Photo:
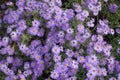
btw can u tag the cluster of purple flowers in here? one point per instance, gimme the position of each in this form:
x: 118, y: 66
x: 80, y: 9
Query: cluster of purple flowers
x: 54, y: 35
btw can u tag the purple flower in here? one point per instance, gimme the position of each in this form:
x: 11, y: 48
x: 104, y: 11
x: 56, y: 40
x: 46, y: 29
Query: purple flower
x: 9, y: 59
x: 74, y: 43
x: 5, y: 41
x: 65, y: 26
x: 17, y: 62
x: 68, y: 37
x: 81, y: 59
x: 85, y: 13
x: 113, y: 8
x: 56, y: 49
x: 50, y: 24
x: 61, y: 34
x: 69, y: 13
x: 23, y: 47
x: 22, y: 77
x: 22, y: 25
x: 93, y: 59
x: 14, y: 36
x: 3, y: 51
x: 118, y: 30
x: 20, y: 3
x: 36, y: 23
x: 77, y: 7
x: 70, y: 30
x: 27, y: 73
x: 81, y: 28
x: 57, y: 58
x: 9, y: 30
x: 8, y: 78
x: 69, y: 53
x: 33, y: 30
x: 74, y: 64
x: 98, y: 46
x: 41, y: 32
x: 26, y: 65
x: 10, y: 50
x: 47, y: 16
x: 112, y: 78
x: 47, y: 57
x: 80, y: 39
x: 64, y: 19
x: 54, y: 75
x: 80, y: 17
x: 118, y: 50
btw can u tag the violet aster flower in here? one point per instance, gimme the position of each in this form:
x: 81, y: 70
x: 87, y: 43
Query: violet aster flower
x: 22, y: 25
x: 90, y: 50
x: 23, y: 47
x: 26, y: 65
x: 9, y: 30
x: 81, y: 59
x: 9, y: 59
x: 74, y: 43
x: 112, y: 78
x: 62, y: 41
x: 5, y: 41
x: 77, y: 7
x: 57, y: 58
x: 22, y: 77
x: 87, y: 34
x: 33, y: 30
x: 41, y: 32
x: 74, y: 64
x: 65, y: 26
x: 93, y: 59
x: 69, y: 13
x: 27, y: 73
x: 118, y: 50
x: 98, y: 46
x: 36, y: 23
x: 61, y: 34
x: 68, y: 37
x: 8, y: 78
x: 10, y: 50
x: 57, y: 17
x: 90, y: 24
x: 80, y: 39
x: 113, y: 8
x: 19, y: 11
x: 3, y: 51
x: 81, y: 28
x: 70, y: 30
x: 80, y: 17
x: 56, y: 49
x: 58, y: 10
x: 54, y: 75
x: 47, y: 16
x: 69, y: 53
x: 46, y: 49
x: 47, y: 57
x: 64, y: 19
x: 50, y: 24
x: 17, y: 62
x: 14, y: 36
x: 118, y: 30
x: 20, y: 3
x: 85, y: 13
x: 35, y: 43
